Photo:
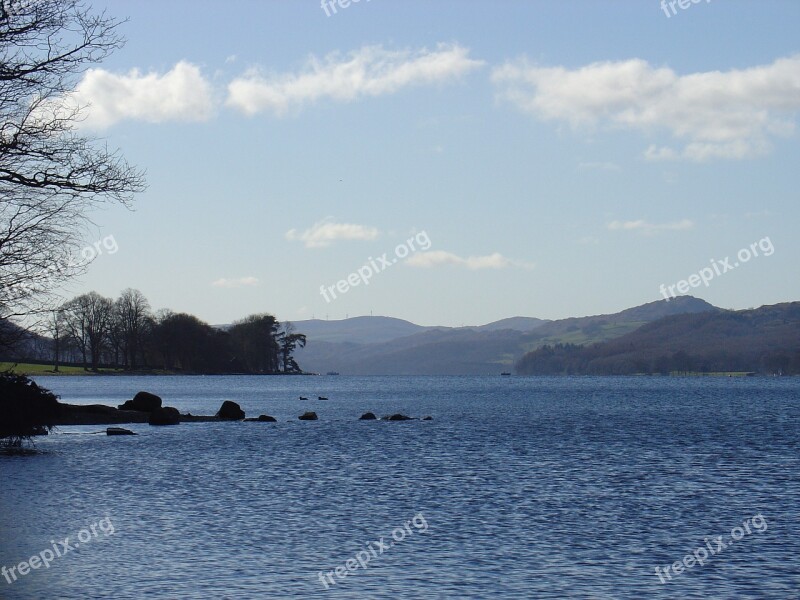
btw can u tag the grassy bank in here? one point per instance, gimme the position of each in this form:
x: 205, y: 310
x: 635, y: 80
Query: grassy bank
x: 42, y: 369
x: 47, y: 369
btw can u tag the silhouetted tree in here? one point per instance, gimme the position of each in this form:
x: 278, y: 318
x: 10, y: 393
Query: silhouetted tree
x: 255, y: 343
x: 288, y: 341
x: 50, y: 173
x: 88, y: 318
x: 186, y: 343
x: 132, y: 313
x: 56, y: 330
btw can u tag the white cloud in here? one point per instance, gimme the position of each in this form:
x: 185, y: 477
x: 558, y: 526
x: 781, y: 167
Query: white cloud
x: 235, y: 283
x: 327, y: 231
x: 642, y: 226
x: 728, y: 115
x: 437, y: 258
x: 180, y: 94
x: 369, y: 71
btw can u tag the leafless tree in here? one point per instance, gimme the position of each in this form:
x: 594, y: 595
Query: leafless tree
x: 132, y: 311
x: 51, y: 173
x: 88, y: 318
x: 55, y: 328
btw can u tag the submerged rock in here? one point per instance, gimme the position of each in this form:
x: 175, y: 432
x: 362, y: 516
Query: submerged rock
x: 143, y: 401
x: 119, y: 431
x: 166, y: 415
x: 308, y: 416
x: 427, y: 418
x: 263, y: 419
x: 368, y: 417
x: 230, y: 411
x: 399, y: 417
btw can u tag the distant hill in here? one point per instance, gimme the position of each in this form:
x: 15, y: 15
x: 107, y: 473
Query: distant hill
x: 376, y: 346
x: 765, y: 340
x: 600, y: 328
x: 375, y: 330
x: 16, y: 341
x: 515, y: 323
x: 358, y: 330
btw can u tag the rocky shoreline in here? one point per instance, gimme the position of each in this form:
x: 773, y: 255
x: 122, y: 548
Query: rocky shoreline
x: 147, y: 408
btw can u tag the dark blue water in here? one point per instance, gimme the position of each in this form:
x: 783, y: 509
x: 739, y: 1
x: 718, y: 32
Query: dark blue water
x: 518, y: 488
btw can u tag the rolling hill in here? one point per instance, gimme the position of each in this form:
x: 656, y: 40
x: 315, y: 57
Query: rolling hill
x: 377, y: 346
x: 764, y: 340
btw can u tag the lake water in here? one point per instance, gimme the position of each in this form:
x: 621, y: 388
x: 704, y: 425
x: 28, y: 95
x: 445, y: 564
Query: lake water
x: 518, y: 488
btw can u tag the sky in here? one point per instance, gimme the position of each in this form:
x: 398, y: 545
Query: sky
x: 458, y: 162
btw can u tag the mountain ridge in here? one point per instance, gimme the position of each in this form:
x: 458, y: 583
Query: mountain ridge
x: 762, y: 340
x: 472, y: 350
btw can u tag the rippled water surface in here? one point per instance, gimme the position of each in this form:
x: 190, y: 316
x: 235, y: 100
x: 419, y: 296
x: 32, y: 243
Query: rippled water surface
x: 521, y: 488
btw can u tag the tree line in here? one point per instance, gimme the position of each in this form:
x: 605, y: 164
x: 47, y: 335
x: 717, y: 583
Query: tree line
x: 125, y: 333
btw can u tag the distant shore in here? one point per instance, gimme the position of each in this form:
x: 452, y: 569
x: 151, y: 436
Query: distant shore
x: 33, y: 369
x: 38, y: 369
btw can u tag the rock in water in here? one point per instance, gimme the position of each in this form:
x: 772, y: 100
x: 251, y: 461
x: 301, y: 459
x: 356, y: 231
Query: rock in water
x: 399, y: 417
x: 368, y: 417
x: 165, y: 416
x: 309, y: 416
x: 263, y: 419
x: 230, y: 411
x: 143, y: 401
x: 118, y: 431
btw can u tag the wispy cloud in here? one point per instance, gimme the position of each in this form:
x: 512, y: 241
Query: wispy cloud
x: 713, y: 114
x: 235, y: 283
x: 369, y: 71
x: 327, y: 231
x: 438, y: 258
x: 180, y: 94
x: 642, y: 226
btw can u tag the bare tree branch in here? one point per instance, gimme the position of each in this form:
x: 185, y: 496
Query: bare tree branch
x: 51, y: 174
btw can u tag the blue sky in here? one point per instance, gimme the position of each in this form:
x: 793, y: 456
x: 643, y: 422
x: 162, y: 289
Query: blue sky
x: 563, y: 158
